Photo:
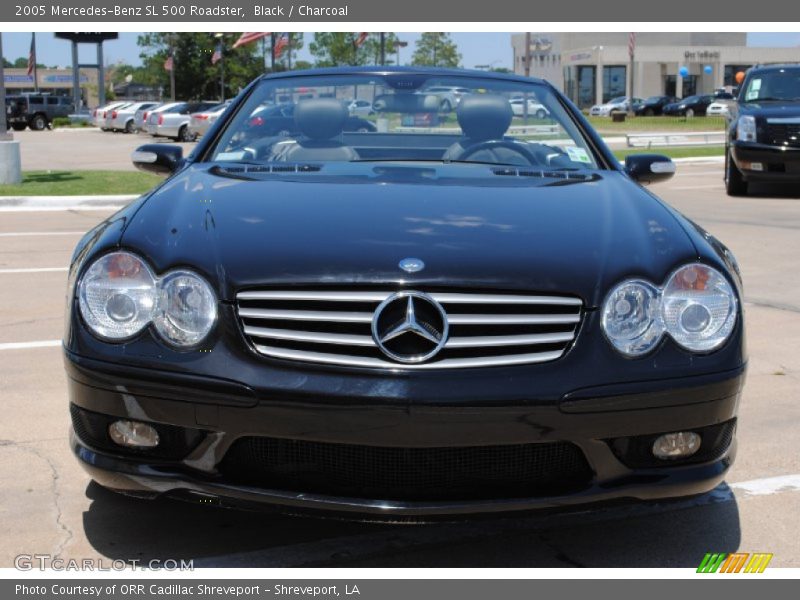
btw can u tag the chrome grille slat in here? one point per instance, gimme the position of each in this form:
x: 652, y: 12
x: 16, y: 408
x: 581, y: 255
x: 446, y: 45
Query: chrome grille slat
x: 448, y: 363
x: 306, y: 336
x: 486, y: 329
x: 307, y: 315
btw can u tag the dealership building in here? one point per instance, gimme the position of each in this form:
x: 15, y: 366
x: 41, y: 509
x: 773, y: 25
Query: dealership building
x: 52, y: 81
x: 592, y: 68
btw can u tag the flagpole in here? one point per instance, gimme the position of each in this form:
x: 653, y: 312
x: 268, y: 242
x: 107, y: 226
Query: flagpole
x: 35, y: 69
x: 289, y: 52
x: 172, y: 70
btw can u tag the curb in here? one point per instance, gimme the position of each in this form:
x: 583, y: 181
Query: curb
x: 64, y: 203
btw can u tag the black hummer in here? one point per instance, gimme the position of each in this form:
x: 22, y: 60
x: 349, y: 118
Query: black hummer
x: 763, y: 141
x: 36, y: 111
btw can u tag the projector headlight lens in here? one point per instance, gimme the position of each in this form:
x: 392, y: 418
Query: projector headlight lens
x: 187, y: 308
x: 631, y: 317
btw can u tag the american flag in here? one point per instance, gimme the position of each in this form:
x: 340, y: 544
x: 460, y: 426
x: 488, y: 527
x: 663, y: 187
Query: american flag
x: 250, y: 36
x: 280, y: 44
x: 168, y: 64
x: 631, y: 44
x: 32, y: 55
x: 362, y: 37
x: 217, y: 56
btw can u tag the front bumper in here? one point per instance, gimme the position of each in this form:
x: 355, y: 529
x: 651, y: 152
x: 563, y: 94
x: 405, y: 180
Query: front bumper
x: 778, y: 163
x: 588, y: 419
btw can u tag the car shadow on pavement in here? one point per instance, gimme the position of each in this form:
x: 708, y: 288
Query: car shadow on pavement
x: 51, y: 177
x: 673, y: 534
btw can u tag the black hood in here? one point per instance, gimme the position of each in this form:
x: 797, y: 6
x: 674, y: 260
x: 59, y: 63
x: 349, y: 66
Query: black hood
x: 573, y: 239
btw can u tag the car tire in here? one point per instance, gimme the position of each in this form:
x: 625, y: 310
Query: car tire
x: 649, y: 113
x: 18, y: 126
x: 129, y: 127
x: 735, y: 185
x: 184, y: 135
x: 38, y: 123
x: 540, y: 114
x: 689, y: 113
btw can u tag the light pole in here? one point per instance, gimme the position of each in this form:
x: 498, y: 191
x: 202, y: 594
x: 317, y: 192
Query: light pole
x: 220, y: 37
x: 397, y: 45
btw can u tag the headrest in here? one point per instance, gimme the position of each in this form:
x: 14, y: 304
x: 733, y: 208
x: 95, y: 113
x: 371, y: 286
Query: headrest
x: 320, y: 118
x: 484, y: 116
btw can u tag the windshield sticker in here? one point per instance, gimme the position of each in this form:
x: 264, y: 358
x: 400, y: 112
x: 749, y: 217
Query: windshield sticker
x: 752, y: 92
x: 230, y: 155
x: 578, y: 154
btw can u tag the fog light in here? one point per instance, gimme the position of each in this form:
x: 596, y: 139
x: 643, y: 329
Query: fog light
x: 133, y: 434
x: 676, y: 445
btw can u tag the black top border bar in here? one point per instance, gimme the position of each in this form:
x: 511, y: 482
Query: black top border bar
x: 389, y: 11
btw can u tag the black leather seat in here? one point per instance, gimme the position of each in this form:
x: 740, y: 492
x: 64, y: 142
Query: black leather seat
x: 484, y: 118
x: 320, y: 121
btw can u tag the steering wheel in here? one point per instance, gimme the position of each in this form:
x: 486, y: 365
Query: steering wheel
x: 492, y: 144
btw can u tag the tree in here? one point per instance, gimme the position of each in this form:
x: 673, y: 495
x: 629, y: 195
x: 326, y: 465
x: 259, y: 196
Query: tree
x: 338, y: 49
x: 22, y: 63
x: 195, y: 76
x: 436, y: 50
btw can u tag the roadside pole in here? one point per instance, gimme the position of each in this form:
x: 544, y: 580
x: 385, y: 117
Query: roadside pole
x: 10, y: 166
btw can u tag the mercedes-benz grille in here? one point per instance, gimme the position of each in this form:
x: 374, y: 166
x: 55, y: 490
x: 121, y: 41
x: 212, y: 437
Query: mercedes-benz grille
x: 336, y: 327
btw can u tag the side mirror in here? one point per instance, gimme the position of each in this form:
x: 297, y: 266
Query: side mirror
x: 649, y: 168
x: 162, y: 159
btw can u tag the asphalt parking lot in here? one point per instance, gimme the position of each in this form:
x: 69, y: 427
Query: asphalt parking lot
x: 48, y: 504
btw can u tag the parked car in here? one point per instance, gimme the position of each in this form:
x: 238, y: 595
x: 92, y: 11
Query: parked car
x: 172, y: 120
x: 692, y: 106
x: 202, y: 121
x: 535, y: 108
x: 110, y: 114
x: 361, y: 108
x: 717, y: 109
x: 619, y: 104
x: 763, y: 139
x: 36, y: 111
x: 278, y: 120
x: 140, y: 117
x: 652, y: 106
x: 123, y: 117
x: 449, y: 95
x: 403, y: 324
x: 102, y: 112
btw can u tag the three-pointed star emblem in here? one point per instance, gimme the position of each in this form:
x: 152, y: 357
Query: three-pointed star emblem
x: 411, y: 325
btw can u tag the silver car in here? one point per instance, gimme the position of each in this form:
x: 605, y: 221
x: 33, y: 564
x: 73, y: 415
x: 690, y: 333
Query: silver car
x: 172, y: 121
x: 619, y: 104
x: 449, y: 95
x: 201, y: 122
x: 140, y: 116
x: 100, y: 113
x: 122, y: 118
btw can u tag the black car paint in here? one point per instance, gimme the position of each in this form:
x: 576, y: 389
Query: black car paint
x: 653, y: 107
x: 579, y: 239
x: 698, y: 104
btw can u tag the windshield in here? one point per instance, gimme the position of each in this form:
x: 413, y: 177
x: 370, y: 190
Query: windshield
x: 403, y: 117
x: 780, y: 84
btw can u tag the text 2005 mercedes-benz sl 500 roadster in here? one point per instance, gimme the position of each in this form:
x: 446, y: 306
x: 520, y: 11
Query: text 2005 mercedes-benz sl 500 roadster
x: 456, y: 310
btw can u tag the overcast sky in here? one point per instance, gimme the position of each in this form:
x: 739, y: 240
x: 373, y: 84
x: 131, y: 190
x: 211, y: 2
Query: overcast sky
x: 476, y: 48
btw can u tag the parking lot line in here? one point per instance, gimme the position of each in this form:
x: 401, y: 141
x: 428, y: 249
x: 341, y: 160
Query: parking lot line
x: 34, y: 270
x: 39, y: 233
x: 26, y: 345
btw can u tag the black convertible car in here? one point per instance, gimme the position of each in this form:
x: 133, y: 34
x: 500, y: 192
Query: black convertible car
x: 428, y: 319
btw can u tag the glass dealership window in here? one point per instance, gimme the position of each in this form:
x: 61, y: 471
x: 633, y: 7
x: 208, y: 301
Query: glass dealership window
x: 614, y: 83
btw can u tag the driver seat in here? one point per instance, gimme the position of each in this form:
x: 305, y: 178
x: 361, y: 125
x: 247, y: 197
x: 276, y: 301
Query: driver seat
x: 320, y: 121
x: 484, y: 118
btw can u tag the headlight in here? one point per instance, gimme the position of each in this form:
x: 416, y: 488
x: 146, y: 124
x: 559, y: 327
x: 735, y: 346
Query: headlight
x: 187, y: 308
x: 697, y: 308
x: 631, y: 318
x: 746, y: 128
x: 119, y: 296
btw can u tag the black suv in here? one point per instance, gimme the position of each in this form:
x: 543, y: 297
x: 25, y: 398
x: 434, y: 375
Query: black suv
x: 36, y: 111
x: 763, y: 142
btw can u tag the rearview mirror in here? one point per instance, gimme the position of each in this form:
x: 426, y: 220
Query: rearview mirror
x: 649, y: 168
x: 162, y: 159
